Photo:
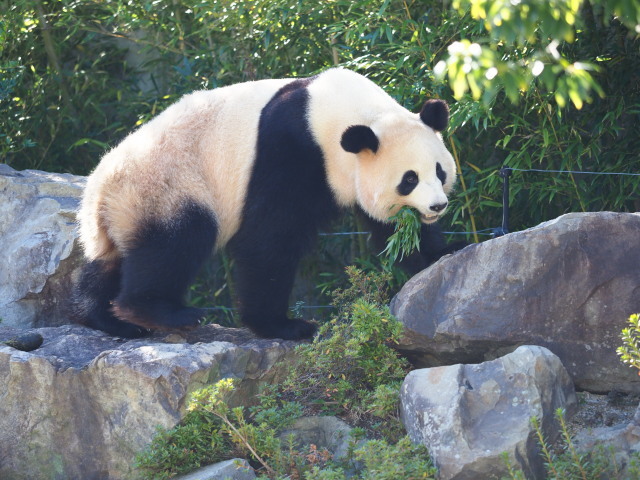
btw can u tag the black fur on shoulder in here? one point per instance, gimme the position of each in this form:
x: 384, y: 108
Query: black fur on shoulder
x: 359, y: 137
x: 435, y: 114
x: 288, y: 199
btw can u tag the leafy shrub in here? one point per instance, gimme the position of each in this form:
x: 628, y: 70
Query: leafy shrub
x: 195, y: 442
x: 564, y: 462
x: 630, y: 350
x: 382, y: 461
x: 349, y: 369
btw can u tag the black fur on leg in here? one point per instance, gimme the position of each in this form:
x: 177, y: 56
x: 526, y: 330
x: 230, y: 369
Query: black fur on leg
x: 433, y: 245
x: 263, y: 283
x: 288, y: 199
x: 157, y: 271
x: 98, y: 285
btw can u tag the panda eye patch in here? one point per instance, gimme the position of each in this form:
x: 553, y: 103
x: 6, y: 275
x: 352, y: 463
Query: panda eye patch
x: 408, y: 183
x: 441, y: 174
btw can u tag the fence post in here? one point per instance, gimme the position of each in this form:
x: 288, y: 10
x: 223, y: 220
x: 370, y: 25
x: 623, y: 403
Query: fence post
x: 505, y: 173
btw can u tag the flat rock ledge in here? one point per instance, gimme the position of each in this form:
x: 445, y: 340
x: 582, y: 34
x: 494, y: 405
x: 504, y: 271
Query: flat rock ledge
x: 84, y: 403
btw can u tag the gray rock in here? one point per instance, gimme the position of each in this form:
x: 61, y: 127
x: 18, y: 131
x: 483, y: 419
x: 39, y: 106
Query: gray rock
x: 235, y: 469
x: 468, y: 415
x: 327, y: 432
x: 84, y: 403
x: 26, y: 342
x: 569, y: 285
x: 623, y: 440
x: 39, y: 248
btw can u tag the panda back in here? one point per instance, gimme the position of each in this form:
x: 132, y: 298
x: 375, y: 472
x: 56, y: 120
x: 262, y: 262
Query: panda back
x: 200, y: 149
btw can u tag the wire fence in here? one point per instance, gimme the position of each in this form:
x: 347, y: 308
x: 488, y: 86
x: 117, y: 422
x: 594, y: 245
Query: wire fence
x: 505, y: 173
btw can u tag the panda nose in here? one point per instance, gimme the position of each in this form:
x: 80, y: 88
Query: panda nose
x: 438, y: 207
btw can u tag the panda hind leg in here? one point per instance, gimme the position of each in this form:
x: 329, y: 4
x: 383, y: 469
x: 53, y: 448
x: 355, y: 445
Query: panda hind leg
x: 159, y: 268
x: 98, y: 285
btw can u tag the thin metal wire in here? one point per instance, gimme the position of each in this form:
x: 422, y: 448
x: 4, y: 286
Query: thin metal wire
x: 486, y: 231
x: 292, y: 307
x: 570, y: 171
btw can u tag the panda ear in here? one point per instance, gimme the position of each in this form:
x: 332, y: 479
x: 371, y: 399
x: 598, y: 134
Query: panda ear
x: 435, y: 114
x: 359, y: 137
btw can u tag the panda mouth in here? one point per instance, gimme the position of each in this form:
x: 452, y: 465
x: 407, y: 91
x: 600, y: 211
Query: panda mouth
x: 429, y: 218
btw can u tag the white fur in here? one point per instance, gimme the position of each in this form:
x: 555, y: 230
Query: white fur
x: 341, y: 98
x: 203, y: 148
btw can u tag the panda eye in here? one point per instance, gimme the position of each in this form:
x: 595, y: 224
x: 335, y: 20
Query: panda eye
x: 411, y: 177
x: 408, y: 183
x: 441, y: 174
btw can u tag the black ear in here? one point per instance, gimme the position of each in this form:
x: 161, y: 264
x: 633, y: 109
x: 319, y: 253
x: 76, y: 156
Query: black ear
x: 435, y: 114
x: 359, y: 137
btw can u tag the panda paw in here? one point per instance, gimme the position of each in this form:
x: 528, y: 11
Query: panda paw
x: 162, y: 316
x: 289, y: 329
x: 127, y: 330
x: 299, y: 329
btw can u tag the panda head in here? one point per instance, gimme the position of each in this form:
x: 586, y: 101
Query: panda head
x: 402, y: 161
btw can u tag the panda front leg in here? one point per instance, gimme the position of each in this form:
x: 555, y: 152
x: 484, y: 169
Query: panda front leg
x: 264, y: 280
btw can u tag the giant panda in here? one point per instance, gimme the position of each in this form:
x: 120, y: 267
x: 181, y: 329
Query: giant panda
x: 258, y: 168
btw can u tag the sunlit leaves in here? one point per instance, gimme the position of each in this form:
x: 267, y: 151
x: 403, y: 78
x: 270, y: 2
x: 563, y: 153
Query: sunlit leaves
x: 630, y: 350
x: 521, y: 46
x: 517, y: 22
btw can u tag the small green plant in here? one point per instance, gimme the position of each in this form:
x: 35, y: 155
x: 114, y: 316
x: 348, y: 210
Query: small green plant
x: 370, y: 286
x: 383, y: 461
x: 406, y: 236
x: 630, y: 351
x: 196, y: 441
x: 245, y: 436
x: 564, y: 462
x: 213, y: 431
x: 350, y: 369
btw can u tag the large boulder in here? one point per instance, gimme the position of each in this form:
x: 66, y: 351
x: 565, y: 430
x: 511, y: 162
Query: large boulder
x: 39, y: 247
x: 84, y: 403
x: 569, y: 284
x: 468, y: 415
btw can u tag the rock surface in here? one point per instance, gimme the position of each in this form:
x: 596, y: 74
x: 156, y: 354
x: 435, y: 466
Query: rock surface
x: 623, y: 439
x: 82, y: 405
x: 39, y: 248
x: 468, y: 415
x: 236, y: 469
x: 325, y: 432
x: 569, y: 285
